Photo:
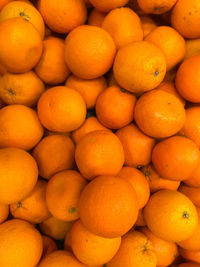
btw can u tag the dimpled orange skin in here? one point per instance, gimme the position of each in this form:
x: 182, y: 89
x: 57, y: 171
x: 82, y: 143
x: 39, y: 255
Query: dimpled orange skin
x: 185, y: 18
x: 124, y: 26
x: 49, y: 246
x: 54, y: 153
x: 106, y: 6
x: 96, y: 17
x: 4, y: 211
x: 187, y: 79
x: 91, y: 249
x: 108, y: 206
x: 135, y: 250
x: 156, y: 6
x: 139, y: 67
x: 176, y: 158
x: 193, y: 193
x: 61, y: 109
x: 139, y: 183
x: 115, y: 107
x: 32, y: 208
x: 18, y: 174
x: 63, y: 193
x: 159, y: 114
x: 190, y: 255
x: 18, y: 53
x: 99, y: 153
x: 194, y: 179
x: 166, y: 204
x: 89, y: 51
x: 148, y: 24
x: 20, y: 244
x: 137, y: 146
x: 19, y: 127
x: 63, y: 16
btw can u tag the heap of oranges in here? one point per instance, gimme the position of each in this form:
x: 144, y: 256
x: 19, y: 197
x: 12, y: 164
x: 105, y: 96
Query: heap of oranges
x: 99, y: 133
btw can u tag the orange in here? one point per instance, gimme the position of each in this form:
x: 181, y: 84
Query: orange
x: 190, y: 255
x: 156, y: 182
x: 148, y: 24
x: 139, y: 66
x: 166, y: 204
x: 108, y: 206
x: 115, y: 107
x: 156, y: 6
x: 194, y: 179
x: 61, y: 109
x: 51, y: 67
x: 89, y: 89
x: 91, y: 249
x: 99, y: 153
x: 18, y: 174
x: 54, y: 153
x: 26, y: 11
x: 170, y: 42
x: 17, y: 52
x: 187, y: 79
x: 4, y: 212
x: 170, y: 75
x: 20, y: 244
x: 68, y: 239
x: 106, y: 6
x: 60, y: 258
x: 192, y: 48
x: 139, y: 183
x: 91, y: 124
x: 49, y: 246
x: 166, y: 251
x: 124, y: 26
x: 192, y: 192
x: 185, y: 18
x: 137, y: 146
x: 89, y: 51
x: 19, y: 127
x: 96, y: 17
x: 2, y: 104
x: 32, y: 208
x: 23, y: 89
x: 63, y: 193
x: 55, y: 228
x: 176, y: 158
x: 140, y: 219
x: 63, y: 16
x: 159, y: 114
x: 189, y: 264
x: 4, y: 2
x: 135, y: 250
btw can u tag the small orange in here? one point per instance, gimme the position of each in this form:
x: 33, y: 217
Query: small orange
x: 156, y: 6
x: 105, y: 6
x: 139, y: 66
x: 54, y: 153
x: 49, y: 246
x: 32, y: 208
x: 159, y: 114
x: 99, y: 153
x: 135, y: 250
x: 63, y: 193
x: 166, y: 204
x: 156, y: 182
x: 61, y: 109
x: 89, y: 89
x: 91, y: 124
x: 166, y: 251
x: 19, y: 127
x: 192, y: 48
x: 190, y: 255
x: 63, y: 16
x: 17, y: 52
x: 148, y: 24
x: 115, y: 107
x: 137, y: 146
x: 4, y: 212
x: 108, y: 206
x: 139, y: 183
x: 124, y: 26
x: 193, y: 193
x: 89, y: 51
x: 96, y: 18
x: 24, y: 89
x: 176, y: 158
x: 91, y: 249
x: 194, y: 179
x: 18, y: 174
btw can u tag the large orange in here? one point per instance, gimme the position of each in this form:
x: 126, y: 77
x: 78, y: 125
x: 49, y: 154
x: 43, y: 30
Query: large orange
x: 20, y: 244
x: 99, y: 153
x: 17, y: 52
x: 159, y: 114
x: 61, y: 109
x: 4, y: 212
x: 156, y: 6
x: 89, y: 51
x: 18, y: 174
x: 171, y: 215
x: 108, y: 206
x: 176, y: 158
x: 139, y: 66
x: 63, y: 16
x: 106, y: 6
